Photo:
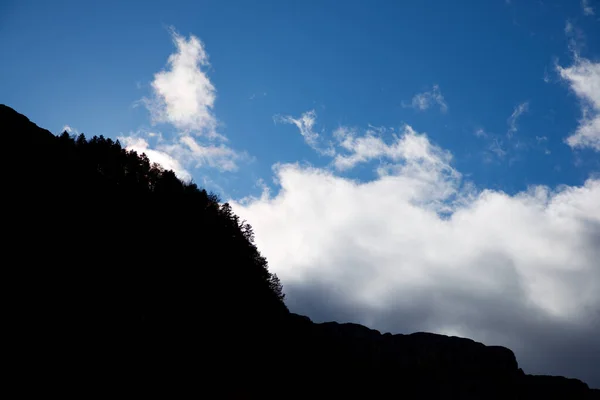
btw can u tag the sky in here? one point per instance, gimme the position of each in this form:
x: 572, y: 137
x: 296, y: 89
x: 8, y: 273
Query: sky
x: 411, y: 166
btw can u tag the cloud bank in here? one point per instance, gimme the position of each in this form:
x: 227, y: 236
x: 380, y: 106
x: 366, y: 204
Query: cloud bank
x: 419, y: 249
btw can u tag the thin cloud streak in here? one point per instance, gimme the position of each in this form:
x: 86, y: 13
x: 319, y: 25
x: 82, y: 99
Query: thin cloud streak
x: 512, y: 120
x: 306, y: 125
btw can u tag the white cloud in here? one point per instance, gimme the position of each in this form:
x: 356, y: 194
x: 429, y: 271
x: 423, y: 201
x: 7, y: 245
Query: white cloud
x: 410, y: 153
x: 422, y: 101
x: 516, y: 270
x: 584, y: 80
x: 512, y: 120
x: 140, y: 145
x: 182, y: 153
x: 190, y: 152
x: 69, y: 130
x: 306, y: 123
x: 411, y: 148
x: 587, y: 9
x: 183, y: 95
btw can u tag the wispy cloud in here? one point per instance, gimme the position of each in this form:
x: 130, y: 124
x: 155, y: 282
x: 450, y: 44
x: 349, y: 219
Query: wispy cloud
x: 587, y: 8
x: 306, y: 125
x: 255, y: 96
x: 481, y: 133
x: 499, y: 146
x: 496, y: 147
x: 568, y: 27
x: 408, y: 150
x: 576, y: 38
x: 546, y: 77
x: 423, y: 101
x: 583, y: 78
x: 512, y: 120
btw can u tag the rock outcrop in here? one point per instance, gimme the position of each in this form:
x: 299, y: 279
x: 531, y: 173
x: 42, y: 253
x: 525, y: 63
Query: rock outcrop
x: 350, y: 359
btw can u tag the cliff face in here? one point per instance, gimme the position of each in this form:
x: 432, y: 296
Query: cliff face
x: 104, y: 298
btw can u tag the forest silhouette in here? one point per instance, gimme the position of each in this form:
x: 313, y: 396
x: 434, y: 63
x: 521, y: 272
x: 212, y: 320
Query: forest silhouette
x: 123, y: 277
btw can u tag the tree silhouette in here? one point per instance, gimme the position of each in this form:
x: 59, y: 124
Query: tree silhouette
x: 121, y: 275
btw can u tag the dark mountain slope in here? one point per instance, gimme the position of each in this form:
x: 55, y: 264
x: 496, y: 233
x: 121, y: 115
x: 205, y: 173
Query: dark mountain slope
x: 121, y: 276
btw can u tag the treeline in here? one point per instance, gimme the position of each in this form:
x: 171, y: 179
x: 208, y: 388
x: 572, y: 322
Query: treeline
x: 117, y: 259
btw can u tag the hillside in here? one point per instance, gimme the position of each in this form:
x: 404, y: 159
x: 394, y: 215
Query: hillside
x: 122, y: 275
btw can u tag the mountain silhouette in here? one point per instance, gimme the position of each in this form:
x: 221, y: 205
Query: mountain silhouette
x: 122, y: 279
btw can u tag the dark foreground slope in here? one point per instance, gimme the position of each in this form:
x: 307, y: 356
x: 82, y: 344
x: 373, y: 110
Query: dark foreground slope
x: 123, y: 278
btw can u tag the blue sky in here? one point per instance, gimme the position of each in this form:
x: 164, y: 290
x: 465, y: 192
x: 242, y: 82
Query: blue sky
x: 86, y: 66
x: 454, y: 142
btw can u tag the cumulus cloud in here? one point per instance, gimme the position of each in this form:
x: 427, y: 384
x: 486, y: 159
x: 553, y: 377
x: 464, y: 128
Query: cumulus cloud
x: 410, y: 147
x: 183, y: 96
x: 512, y: 120
x: 306, y: 124
x: 583, y: 78
x: 517, y: 270
x: 353, y: 147
x: 422, y: 101
x: 587, y: 8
